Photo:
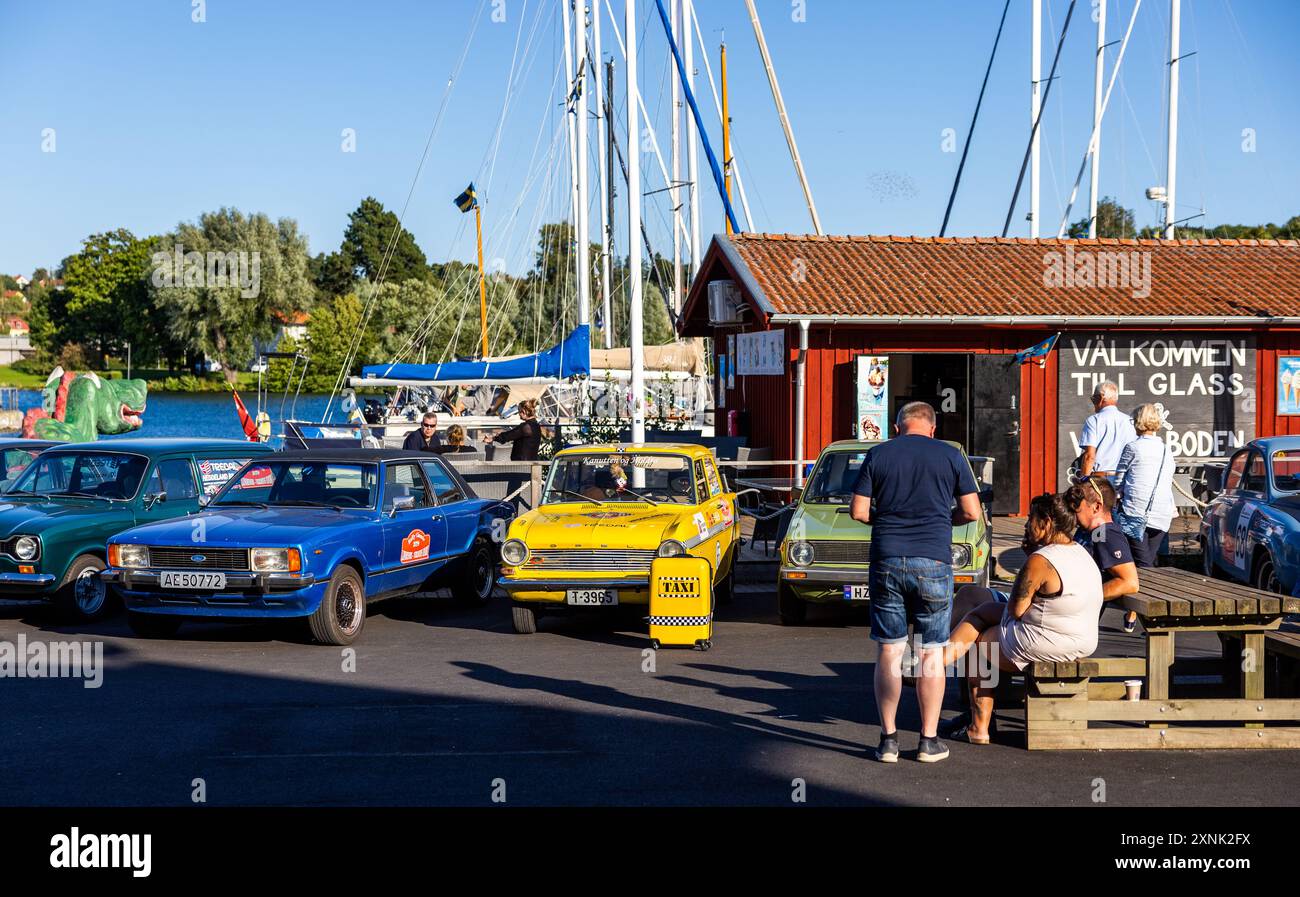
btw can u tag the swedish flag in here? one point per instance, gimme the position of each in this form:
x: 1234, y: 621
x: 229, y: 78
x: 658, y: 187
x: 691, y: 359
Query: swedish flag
x: 468, y: 200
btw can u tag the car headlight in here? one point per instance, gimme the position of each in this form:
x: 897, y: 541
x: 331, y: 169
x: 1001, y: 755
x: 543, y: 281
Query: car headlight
x: 128, y: 556
x: 801, y: 553
x: 961, y: 555
x: 671, y: 548
x: 514, y: 552
x: 26, y: 548
x: 275, y: 560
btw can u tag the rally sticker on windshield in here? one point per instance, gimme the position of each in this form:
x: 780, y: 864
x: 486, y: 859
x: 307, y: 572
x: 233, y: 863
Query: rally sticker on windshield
x: 415, y: 547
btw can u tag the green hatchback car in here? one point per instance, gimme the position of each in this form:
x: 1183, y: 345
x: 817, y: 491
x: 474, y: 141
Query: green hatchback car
x: 58, y: 514
x: 824, y: 556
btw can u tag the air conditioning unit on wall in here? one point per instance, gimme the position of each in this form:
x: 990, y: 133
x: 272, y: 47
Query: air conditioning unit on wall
x: 725, y: 303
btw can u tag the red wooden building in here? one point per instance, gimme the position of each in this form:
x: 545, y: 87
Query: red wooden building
x: 1208, y: 329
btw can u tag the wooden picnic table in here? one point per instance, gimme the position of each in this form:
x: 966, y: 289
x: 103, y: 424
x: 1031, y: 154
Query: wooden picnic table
x: 1170, y: 601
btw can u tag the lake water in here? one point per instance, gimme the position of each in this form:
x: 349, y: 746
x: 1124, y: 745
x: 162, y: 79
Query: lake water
x: 210, y: 415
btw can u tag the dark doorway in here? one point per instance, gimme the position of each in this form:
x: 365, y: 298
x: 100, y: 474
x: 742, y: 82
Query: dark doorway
x: 995, y: 425
x: 943, y: 380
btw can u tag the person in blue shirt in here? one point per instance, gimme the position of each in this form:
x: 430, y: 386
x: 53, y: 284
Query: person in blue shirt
x: 1092, y: 501
x: 1105, y: 433
x: 906, y: 491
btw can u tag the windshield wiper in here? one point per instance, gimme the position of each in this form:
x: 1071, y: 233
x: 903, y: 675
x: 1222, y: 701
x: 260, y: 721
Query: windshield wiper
x: 24, y: 492
x: 594, y: 501
x: 251, y: 504
x: 640, y: 496
x: 308, y: 504
x: 84, y: 495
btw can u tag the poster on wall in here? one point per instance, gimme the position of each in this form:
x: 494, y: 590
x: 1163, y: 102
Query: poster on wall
x: 731, y: 358
x: 872, y: 421
x: 1288, y: 384
x: 761, y: 353
x: 1203, y: 385
x: 722, y: 381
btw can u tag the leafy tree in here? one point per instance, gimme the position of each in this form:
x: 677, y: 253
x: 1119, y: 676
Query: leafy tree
x: 1290, y: 230
x: 1113, y: 221
x: 7, y: 282
x: 224, y: 321
x: 105, y: 301
x: 366, y: 244
x: 329, y: 340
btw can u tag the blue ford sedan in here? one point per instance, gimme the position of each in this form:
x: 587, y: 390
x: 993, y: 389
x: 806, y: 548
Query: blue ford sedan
x: 312, y: 535
x: 1251, y: 530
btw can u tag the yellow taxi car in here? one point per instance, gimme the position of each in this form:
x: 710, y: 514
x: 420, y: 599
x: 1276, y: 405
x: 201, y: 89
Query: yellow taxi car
x: 606, y: 512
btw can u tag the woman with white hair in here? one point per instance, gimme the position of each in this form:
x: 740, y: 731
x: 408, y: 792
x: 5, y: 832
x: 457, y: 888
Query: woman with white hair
x: 1144, y: 480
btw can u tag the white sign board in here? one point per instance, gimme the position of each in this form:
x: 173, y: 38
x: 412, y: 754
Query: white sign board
x: 762, y: 353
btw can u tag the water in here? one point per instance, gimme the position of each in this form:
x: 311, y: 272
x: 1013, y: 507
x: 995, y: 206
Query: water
x: 208, y: 414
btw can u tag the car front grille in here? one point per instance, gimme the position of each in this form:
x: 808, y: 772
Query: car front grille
x: 199, y: 558
x: 841, y: 552
x: 595, y: 560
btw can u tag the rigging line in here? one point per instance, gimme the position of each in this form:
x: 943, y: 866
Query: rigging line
x: 1092, y: 138
x: 1051, y: 78
x: 970, y: 133
x: 350, y: 356
x: 717, y: 105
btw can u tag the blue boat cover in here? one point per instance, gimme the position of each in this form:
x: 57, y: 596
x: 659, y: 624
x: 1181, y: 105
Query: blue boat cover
x: 570, y: 358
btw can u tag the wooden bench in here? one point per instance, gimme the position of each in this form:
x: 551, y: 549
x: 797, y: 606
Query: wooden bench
x: 1063, y: 699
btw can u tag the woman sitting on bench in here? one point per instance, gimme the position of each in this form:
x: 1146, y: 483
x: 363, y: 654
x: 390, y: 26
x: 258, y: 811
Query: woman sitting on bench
x: 1051, y: 613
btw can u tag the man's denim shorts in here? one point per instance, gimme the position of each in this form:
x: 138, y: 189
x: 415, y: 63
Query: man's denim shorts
x: 911, y: 590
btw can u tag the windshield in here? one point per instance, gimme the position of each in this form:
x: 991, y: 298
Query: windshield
x: 833, y: 479
x: 110, y: 475
x: 301, y: 483
x: 1286, y: 470
x: 621, y: 476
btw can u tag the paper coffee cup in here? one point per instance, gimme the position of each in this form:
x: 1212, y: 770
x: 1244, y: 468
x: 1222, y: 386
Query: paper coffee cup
x: 1132, y: 689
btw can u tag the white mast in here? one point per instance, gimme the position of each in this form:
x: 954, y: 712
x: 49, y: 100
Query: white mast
x: 569, y: 123
x: 692, y: 156
x: 634, y: 231
x: 1035, y: 95
x: 581, y: 218
x: 674, y: 193
x: 1096, y: 118
x: 785, y: 118
x: 1171, y: 176
x: 604, y: 185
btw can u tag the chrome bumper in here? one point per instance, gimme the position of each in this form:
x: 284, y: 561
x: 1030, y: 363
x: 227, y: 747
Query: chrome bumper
x: 27, y: 580
x: 148, y: 581
x: 556, y: 585
x: 857, y: 575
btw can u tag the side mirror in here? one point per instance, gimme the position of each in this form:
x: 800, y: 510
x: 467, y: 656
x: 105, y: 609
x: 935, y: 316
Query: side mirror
x: 402, y: 503
x: 204, y: 499
x: 986, y: 495
x: 153, y: 498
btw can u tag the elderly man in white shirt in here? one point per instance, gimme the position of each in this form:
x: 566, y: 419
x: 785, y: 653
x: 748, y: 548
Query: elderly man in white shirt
x: 1105, y: 433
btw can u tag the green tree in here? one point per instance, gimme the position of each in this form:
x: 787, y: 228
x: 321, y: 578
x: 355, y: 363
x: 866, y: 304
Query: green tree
x: 1113, y: 221
x: 366, y: 244
x: 223, y: 321
x: 105, y: 302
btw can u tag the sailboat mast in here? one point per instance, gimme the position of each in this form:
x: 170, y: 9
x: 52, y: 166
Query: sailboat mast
x: 726, y: 129
x: 482, y: 283
x: 580, y: 110
x: 570, y: 125
x: 1035, y: 99
x: 1171, y: 174
x: 606, y: 207
x: 609, y: 190
x: 633, y: 231
x: 692, y: 154
x: 1094, y: 174
x: 674, y: 193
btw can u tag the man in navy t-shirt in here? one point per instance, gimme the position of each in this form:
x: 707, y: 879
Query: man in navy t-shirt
x: 906, y: 492
x: 1092, y: 501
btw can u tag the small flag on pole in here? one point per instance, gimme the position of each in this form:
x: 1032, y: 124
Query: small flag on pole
x: 1038, y: 352
x: 468, y: 200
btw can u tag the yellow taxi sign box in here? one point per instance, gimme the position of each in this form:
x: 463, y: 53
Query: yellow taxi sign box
x: 681, y: 602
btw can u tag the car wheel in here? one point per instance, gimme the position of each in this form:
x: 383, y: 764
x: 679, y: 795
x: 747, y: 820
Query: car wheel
x: 83, y: 597
x: 477, y: 577
x: 1266, y: 575
x: 342, y: 611
x: 793, y: 610
x: 524, y: 618
x: 725, y: 591
x: 153, y: 625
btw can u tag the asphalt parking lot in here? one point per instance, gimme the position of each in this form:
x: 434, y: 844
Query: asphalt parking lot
x: 446, y: 705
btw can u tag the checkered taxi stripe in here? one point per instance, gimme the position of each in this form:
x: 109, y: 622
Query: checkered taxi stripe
x: 680, y: 621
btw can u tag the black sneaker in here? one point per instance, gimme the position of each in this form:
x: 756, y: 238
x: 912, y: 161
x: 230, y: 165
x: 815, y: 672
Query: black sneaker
x: 932, y: 750
x: 1130, y: 625
x: 888, y: 750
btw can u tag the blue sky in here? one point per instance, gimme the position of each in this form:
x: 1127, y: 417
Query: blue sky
x: 158, y: 118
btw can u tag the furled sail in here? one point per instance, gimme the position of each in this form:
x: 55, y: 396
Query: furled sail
x: 571, y: 358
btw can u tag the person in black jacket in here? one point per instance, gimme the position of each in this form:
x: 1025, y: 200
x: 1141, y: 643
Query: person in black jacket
x: 424, y: 439
x: 526, y: 437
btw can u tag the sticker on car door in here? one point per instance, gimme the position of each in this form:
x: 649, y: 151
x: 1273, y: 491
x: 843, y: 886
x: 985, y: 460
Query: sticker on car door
x: 415, y: 547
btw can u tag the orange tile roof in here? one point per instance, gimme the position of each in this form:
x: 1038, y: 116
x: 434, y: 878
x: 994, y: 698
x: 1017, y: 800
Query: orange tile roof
x: 989, y: 276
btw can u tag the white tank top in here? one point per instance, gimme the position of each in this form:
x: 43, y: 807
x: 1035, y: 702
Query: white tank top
x: 1063, y: 627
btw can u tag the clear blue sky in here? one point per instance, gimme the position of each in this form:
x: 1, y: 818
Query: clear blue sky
x: 158, y: 118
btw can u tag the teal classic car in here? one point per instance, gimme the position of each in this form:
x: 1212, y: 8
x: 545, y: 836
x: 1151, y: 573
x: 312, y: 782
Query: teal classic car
x: 58, y: 514
x: 824, y: 556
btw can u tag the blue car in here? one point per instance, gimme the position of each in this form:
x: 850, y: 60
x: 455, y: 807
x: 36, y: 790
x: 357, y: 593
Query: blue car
x: 312, y: 535
x: 1251, y: 530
